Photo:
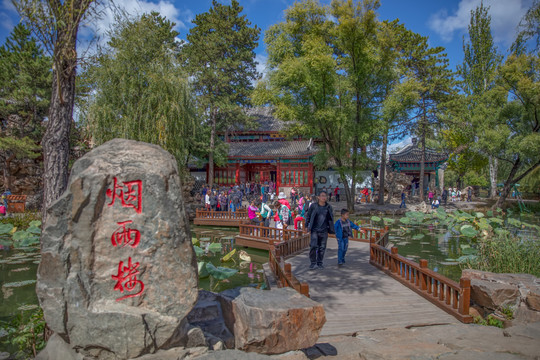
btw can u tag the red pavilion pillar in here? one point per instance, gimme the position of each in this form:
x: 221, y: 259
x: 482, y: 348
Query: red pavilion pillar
x: 237, y: 175
x: 310, y: 177
x: 278, y: 177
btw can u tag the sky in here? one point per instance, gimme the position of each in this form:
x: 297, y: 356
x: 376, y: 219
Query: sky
x: 443, y: 21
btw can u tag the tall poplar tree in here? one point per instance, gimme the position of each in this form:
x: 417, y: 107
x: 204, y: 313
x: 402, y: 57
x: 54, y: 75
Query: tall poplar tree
x: 478, y: 72
x: 220, y: 57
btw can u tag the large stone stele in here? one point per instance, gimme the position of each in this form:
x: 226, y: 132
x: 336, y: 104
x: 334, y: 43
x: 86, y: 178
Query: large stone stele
x: 272, y: 321
x: 83, y: 245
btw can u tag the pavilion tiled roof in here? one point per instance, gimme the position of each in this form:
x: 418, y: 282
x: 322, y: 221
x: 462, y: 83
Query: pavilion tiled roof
x: 272, y: 149
x: 413, y: 154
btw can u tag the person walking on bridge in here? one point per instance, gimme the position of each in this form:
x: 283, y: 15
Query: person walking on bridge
x: 320, y: 223
x: 344, y: 229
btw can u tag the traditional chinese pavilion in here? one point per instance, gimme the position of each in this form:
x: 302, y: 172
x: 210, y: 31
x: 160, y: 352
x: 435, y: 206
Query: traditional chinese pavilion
x: 408, y: 159
x: 262, y: 153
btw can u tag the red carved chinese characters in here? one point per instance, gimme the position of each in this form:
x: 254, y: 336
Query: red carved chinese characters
x: 126, y: 236
x: 127, y: 279
x: 130, y: 194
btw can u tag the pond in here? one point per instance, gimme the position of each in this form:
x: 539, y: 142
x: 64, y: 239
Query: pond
x: 435, y: 241
x: 440, y: 244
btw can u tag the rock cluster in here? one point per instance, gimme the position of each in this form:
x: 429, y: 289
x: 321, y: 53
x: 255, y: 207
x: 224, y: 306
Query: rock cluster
x: 493, y: 292
x: 118, y: 272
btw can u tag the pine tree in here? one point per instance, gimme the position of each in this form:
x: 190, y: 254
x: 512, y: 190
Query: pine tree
x: 25, y: 88
x: 219, y: 56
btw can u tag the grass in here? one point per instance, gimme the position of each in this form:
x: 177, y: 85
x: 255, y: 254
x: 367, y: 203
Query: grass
x: 508, y: 254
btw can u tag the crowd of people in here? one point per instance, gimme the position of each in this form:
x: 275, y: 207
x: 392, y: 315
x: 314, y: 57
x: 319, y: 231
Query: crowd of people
x: 309, y: 212
x: 435, y: 199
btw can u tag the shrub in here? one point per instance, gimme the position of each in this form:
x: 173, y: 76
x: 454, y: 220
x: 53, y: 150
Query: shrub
x: 26, y: 332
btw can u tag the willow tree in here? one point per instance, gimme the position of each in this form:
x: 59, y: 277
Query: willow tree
x: 138, y: 88
x: 220, y: 58
x: 56, y: 25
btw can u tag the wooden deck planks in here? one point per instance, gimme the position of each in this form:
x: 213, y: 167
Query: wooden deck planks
x: 358, y: 296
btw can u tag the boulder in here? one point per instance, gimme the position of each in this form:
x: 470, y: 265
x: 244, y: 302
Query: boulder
x: 118, y: 273
x: 273, y: 321
x: 492, y: 291
x: 57, y: 348
x: 494, y: 295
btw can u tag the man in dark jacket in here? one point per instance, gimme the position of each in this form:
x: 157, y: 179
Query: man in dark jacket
x: 320, y: 223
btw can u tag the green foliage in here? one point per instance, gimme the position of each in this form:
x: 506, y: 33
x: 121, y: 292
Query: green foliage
x: 139, y: 90
x: 507, y: 254
x: 219, y: 56
x: 489, y: 321
x: 25, y: 84
x: 25, y: 331
x: 24, y: 220
x: 21, y: 231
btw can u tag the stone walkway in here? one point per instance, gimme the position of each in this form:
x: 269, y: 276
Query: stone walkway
x: 358, y: 296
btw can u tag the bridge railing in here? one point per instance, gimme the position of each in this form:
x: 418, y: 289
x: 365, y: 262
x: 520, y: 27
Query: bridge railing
x: 447, y: 294
x: 221, y: 215
x: 267, y: 234
x: 283, y: 272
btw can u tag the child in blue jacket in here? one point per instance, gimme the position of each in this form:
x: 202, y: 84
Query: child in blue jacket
x: 344, y: 229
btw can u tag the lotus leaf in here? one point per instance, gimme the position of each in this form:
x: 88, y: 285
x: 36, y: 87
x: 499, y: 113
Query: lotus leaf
x: 479, y: 215
x: 375, y: 218
x: 418, y: 236
x: 19, y: 283
x: 468, y: 231
x: 6, y: 242
x: 490, y: 213
x: 194, y: 240
x: 198, y: 250
x: 5, y: 228
x: 203, y: 272
x: 35, y: 223
x: 467, y: 250
x: 388, y: 220
x: 229, y: 256
x: 405, y: 220
x: 466, y: 258
x: 501, y: 232
x: 29, y: 241
x: 220, y: 273
x: 215, y: 247
x: 21, y: 235
x: 496, y: 220
x: 34, y: 230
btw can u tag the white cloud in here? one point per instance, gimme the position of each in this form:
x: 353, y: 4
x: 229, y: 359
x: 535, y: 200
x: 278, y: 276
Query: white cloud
x: 261, y: 64
x: 399, y: 145
x: 505, y: 16
x: 8, y: 16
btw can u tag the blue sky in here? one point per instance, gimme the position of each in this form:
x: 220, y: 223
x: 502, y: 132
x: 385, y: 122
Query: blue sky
x: 445, y: 22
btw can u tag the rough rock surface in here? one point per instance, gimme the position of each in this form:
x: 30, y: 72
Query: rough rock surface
x: 494, y: 291
x: 272, y: 321
x: 207, y: 315
x: 85, y: 276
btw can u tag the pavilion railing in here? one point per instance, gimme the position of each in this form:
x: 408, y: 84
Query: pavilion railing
x: 445, y: 293
x: 267, y: 234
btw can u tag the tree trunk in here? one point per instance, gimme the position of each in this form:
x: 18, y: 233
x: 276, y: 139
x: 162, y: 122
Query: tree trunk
x: 56, y: 138
x: 508, y: 184
x: 382, y: 171
x: 422, y: 165
x: 493, y: 165
x: 212, y: 149
x: 7, y: 172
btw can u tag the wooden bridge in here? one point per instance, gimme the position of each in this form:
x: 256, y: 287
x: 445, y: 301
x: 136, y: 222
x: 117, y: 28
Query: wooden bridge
x: 220, y: 218
x: 376, y: 289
